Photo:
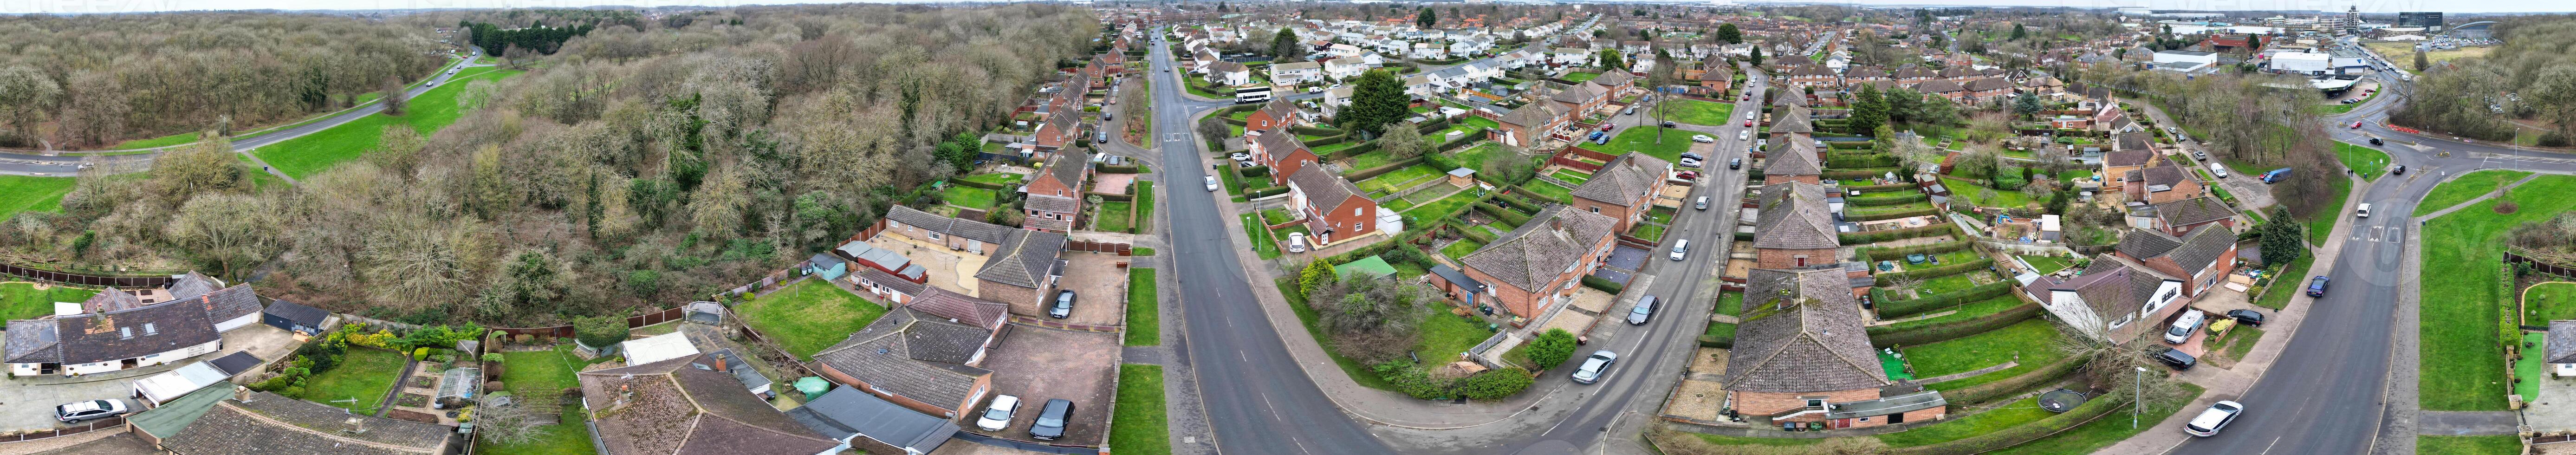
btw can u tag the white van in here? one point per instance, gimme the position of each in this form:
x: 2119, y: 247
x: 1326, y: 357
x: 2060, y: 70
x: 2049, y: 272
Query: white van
x: 1681, y: 248
x: 2219, y: 170
x: 2363, y: 212
x: 2182, y: 327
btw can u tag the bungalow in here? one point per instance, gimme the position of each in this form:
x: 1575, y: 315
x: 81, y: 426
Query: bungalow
x: 2158, y: 184
x: 684, y: 406
x: 1802, y: 354
x: 1229, y: 73
x: 1530, y: 270
x: 887, y: 287
x: 2199, y: 258
x: 1019, y: 264
x: 2560, y: 353
x: 2114, y: 300
x: 206, y: 423
x: 1796, y: 227
x: 926, y: 355
x: 1055, y: 194
x: 1334, y: 208
x: 2180, y: 217
x: 121, y: 332
x: 873, y: 425
x: 1295, y: 72
x: 1624, y: 189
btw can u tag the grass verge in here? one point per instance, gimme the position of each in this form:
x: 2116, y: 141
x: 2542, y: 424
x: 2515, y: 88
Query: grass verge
x: 1140, y: 427
x: 547, y: 371
x: 434, y: 109
x: 2467, y: 186
x: 1144, y: 309
x: 24, y: 301
x: 2462, y: 262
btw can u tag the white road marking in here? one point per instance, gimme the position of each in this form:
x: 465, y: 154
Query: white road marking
x: 2267, y: 448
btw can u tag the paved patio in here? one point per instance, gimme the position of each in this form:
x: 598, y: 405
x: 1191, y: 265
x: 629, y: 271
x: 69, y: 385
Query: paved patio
x: 945, y: 266
x: 2555, y: 407
x: 1099, y: 287
x: 1627, y: 258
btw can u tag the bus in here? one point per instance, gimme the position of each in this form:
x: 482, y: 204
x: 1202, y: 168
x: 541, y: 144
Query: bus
x: 1253, y: 94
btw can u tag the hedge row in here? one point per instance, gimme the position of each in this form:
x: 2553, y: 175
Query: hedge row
x: 1938, y: 270
x: 1464, y: 140
x: 1860, y: 160
x: 1873, y: 201
x: 1479, y: 235
x: 2015, y: 385
x: 1316, y: 130
x: 1858, y: 172
x: 1109, y: 169
x: 1603, y: 284
x: 1253, y: 171
x: 1856, y: 238
x: 1714, y: 341
x: 1754, y: 175
x: 1892, y: 309
x: 1890, y: 215
x: 1365, y: 174
x: 1871, y: 253
x: 1945, y: 332
x: 1513, y: 217
x: 1742, y: 236
x: 1850, y: 144
x: 1327, y: 140
x: 1111, y: 196
x: 1258, y: 193
x: 976, y: 184
x: 1887, y: 187
x: 2018, y: 434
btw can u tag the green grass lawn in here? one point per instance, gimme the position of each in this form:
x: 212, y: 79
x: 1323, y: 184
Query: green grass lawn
x: 2461, y: 260
x: 2545, y: 302
x: 311, y: 153
x: 1276, y: 215
x: 808, y: 316
x: 1113, y: 216
x: 2369, y: 162
x: 22, y: 193
x: 2528, y: 368
x: 969, y: 197
x: 1952, y: 283
x: 549, y: 371
x: 365, y: 374
x: 1579, y: 77
x: 1475, y: 157
x: 2106, y: 430
x: 2467, y: 186
x: 1446, y: 336
x: 1144, y: 206
x: 175, y: 139
x: 2277, y: 295
x: 23, y: 301
x: 1697, y: 112
x: 2240, y: 340
x: 1261, y: 243
x: 1966, y: 311
x: 1571, y: 176
x: 2503, y: 444
x: 1398, y: 179
x: 1140, y: 426
x: 1549, y: 191
x: 997, y: 178
x: 1460, y: 249
x: 1642, y: 140
x: 2046, y: 264
x: 1441, y: 209
x: 1474, y: 122
x: 2034, y: 340
x: 2323, y: 223
x: 1650, y: 232
x: 2019, y: 412
x: 1969, y: 190
x: 1371, y: 160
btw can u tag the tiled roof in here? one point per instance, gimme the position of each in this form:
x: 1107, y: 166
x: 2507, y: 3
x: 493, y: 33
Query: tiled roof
x: 1624, y: 179
x: 111, y: 299
x: 1794, y: 121
x: 1280, y: 109
x: 881, y: 278
x: 2125, y: 158
x: 1278, y: 146
x: 1938, y: 86
x: 1794, y: 216
x: 1865, y: 72
x: 1577, y: 94
x: 1052, y: 203
x: 193, y: 284
x: 1227, y: 67
x: 1534, y: 254
x: 229, y: 429
x: 958, y: 306
x: 2146, y: 243
x: 2168, y: 175
x: 2201, y: 247
x: 2114, y: 286
x: 1991, y: 83
x: 1025, y: 260
x: 2130, y: 140
x: 1796, y: 157
x: 115, y: 335
x: 2193, y: 211
x: 1613, y: 78
x: 1818, y: 343
x: 1327, y: 192
x: 910, y: 355
x: 2562, y: 343
x: 296, y: 312
x: 846, y: 412
x: 675, y: 407
x: 1066, y: 168
x: 122, y: 443
x: 1532, y: 115
x: 1783, y: 96
x: 224, y: 304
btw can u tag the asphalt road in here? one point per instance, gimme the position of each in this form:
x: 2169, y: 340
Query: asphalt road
x: 19, y: 163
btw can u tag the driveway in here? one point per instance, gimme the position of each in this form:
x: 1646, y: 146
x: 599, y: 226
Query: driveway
x: 30, y: 407
x: 1099, y: 288
x: 1038, y: 364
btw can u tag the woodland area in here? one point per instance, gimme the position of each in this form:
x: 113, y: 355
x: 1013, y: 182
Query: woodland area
x: 641, y: 165
x: 2537, y: 61
x: 2237, y: 118
x: 88, y: 81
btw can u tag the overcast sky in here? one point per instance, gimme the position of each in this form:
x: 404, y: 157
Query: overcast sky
x: 131, y: 6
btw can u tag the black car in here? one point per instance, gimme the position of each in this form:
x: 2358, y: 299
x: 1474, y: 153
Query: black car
x: 1735, y: 163
x: 1050, y: 424
x: 2376, y: 141
x: 2400, y: 169
x: 2247, y: 317
x: 1063, y: 305
x: 2175, y: 358
x: 2317, y: 286
x: 1691, y: 155
x: 1670, y: 124
x: 1644, y: 310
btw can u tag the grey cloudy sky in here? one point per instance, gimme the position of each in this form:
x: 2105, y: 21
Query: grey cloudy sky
x: 131, y: 6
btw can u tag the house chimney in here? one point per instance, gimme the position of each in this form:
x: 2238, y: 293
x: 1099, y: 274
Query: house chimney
x: 241, y: 394
x: 357, y: 426
x: 1556, y: 223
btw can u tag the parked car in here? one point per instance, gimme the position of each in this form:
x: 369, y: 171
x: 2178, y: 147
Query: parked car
x: 2218, y: 169
x: 2213, y: 419
x: 1596, y: 135
x: 1211, y: 183
x: 1670, y: 124
x: 2317, y: 286
x: 1748, y: 123
x: 1687, y: 175
x: 1742, y: 135
x: 77, y: 411
x: 2200, y: 155
x: 1606, y: 128
x: 1687, y: 162
x: 1645, y: 309
x: 2400, y: 170
x: 2182, y: 327
x: 1594, y: 366
x: 1050, y: 424
x: 1063, y: 305
x: 2276, y: 175
x: 1702, y: 204
x: 2175, y: 358
x: 998, y: 415
x: 1702, y: 138
x: 2363, y: 211
x: 1693, y: 155
x: 1735, y: 163
x: 1631, y: 111
x: 2246, y: 317
x: 1681, y: 248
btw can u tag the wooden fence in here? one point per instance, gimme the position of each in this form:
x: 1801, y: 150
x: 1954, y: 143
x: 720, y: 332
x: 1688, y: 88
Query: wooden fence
x: 152, y: 281
x: 566, y: 331
x: 108, y: 424
x: 2518, y: 255
x: 1120, y: 249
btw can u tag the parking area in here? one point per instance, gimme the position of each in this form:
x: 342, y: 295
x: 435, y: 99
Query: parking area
x: 1099, y: 288
x: 1039, y: 364
x: 2197, y: 345
x: 1111, y: 183
x: 27, y: 404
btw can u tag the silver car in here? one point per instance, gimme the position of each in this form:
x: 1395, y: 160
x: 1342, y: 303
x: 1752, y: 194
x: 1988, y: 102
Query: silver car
x: 1594, y: 366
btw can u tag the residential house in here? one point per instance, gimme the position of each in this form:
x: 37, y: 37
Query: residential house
x: 1624, y: 189
x: 118, y: 330
x: 1792, y: 120
x: 2131, y: 140
x: 2070, y: 122
x: 1531, y: 123
x: 871, y: 424
x: 1282, y: 152
x: 1715, y: 76
x: 1344, y: 51
x: 887, y: 287
x: 2161, y: 183
x: 1019, y: 263
x: 1279, y: 113
x: 1866, y: 74
x: 1296, y: 72
x: 1535, y: 267
x: 926, y: 355
x: 1335, y: 98
x: 1229, y: 73
x: 1793, y: 158
x: 2117, y: 164
x: 2114, y: 300
x: 1055, y: 194
x: 1802, y: 354
x: 2560, y: 353
x: 1988, y: 88
x: 1421, y: 86
x: 1334, y: 209
x: 1796, y: 227
x: 2179, y: 217
x: 1569, y: 56
x: 1344, y: 68
x: 1058, y: 131
x: 1613, y: 83
x: 1812, y: 76
x: 263, y: 423
x: 2199, y: 258
x: 1428, y: 51
x: 684, y: 406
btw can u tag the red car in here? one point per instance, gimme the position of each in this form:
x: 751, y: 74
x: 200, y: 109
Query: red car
x: 1605, y: 127
x: 1688, y: 175
x: 1748, y: 123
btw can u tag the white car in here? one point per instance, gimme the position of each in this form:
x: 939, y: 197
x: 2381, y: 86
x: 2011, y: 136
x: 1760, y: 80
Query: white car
x: 1702, y: 138
x: 2219, y: 170
x: 1742, y: 135
x: 1681, y: 248
x: 2216, y: 417
x: 998, y: 416
x: 1211, y: 183
x: 2363, y: 211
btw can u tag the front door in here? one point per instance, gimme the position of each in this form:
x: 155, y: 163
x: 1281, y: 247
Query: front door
x: 1896, y: 418
x: 128, y: 363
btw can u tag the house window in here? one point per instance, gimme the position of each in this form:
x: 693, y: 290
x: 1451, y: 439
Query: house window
x: 1594, y: 209
x: 1816, y: 403
x: 934, y: 235
x: 1864, y: 420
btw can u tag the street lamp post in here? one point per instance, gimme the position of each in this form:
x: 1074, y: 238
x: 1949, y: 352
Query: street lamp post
x: 2141, y: 402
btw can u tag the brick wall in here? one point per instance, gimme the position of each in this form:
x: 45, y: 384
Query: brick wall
x: 1782, y: 258
x: 1346, y: 224
x: 1768, y: 179
x: 1024, y: 301
x: 1768, y: 403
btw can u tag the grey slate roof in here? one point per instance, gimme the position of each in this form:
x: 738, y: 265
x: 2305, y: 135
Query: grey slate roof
x: 273, y: 424
x: 673, y: 407
x: 2167, y: 174
x: 908, y: 353
x: 1577, y: 94
x: 1991, y: 83
x: 1794, y: 216
x: 1532, y: 115
x: 2197, y: 249
x: 1795, y: 156
x: 881, y: 278
x: 2561, y: 343
x: 119, y: 444
x: 116, y: 335
x: 1327, y: 192
x: 192, y: 284
x: 2125, y: 158
x: 111, y: 299
x: 1816, y: 344
x: 1066, y: 168
x: 1278, y: 146
x: 1624, y: 179
x: 1796, y: 121
x: 2114, y: 286
x: 845, y: 412
x: 1536, y: 253
x: 1614, y: 78
x: 224, y: 304
x: 1938, y: 86
x: 2147, y: 243
x: 1025, y: 260
x: 2193, y: 211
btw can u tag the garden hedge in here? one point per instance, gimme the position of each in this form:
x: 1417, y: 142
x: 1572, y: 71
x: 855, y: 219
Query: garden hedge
x: 1873, y: 216
x: 1479, y: 235
x: 1327, y: 140
x: 2015, y: 385
x: 1465, y: 139
x: 1714, y: 341
x: 1743, y: 236
x: 1872, y: 253
x: 1513, y: 217
x: 1754, y: 175
x: 1860, y: 160
x: 1887, y: 187
x: 976, y: 184
x: 1850, y: 144
x: 1365, y: 174
x: 1893, y: 309
x: 1252, y: 171
x: 1316, y: 130
x: 1938, y: 270
x: 1372, y: 249
x: 1945, y: 332
x: 1874, y: 201
x: 1858, y: 172
x: 2018, y: 434
x: 1602, y: 284
x: 1109, y: 169
x: 1856, y: 238
x: 1258, y: 193
x: 1354, y: 150
x: 1111, y: 197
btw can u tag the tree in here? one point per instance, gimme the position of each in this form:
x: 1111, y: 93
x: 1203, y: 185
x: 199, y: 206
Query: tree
x: 1313, y: 279
x: 26, y: 95
x: 1728, y: 33
x: 1426, y: 18
x: 2026, y: 105
x: 1374, y: 319
x: 2420, y: 61
x: 1284, y: 47
x: 397, y: 98
x: 2017, y: 33
x: 1213, y: 128
x: 1551, y: 348
x: 1403, y: 143
x: 508, y: 425
x: 1757, y: 56
x: 599, y: 331
x: 1903, y: 104
x: 2283, y: 238
x: 1611, y: 60
x: 1377, y: 99
x: 1869, y: 112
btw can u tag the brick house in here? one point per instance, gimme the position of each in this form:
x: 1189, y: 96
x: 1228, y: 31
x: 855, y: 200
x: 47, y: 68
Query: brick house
x: 1531, y: 123
x: 1791, y: 119
x: 2113, y: 300
x: 1988, y: 88
x: 1283, y: 153
x: 926, y: 355
x: 2116, y: 165
x: 1802, y: 354
x: 1019, y: 263
x: 1277, y: 114
x: 1055, y: 193
x: 1793, y: 159
x: 2199, y: 258
x: 1714, y: 76
x: 1332, y: 206
x: 1534, y: 268
x: 2161, y: 183
x: 1943, y: 88
x: 1624, y: 188
x: 2131, y: 140
x: 1796, y: 228
x: 1813, y: 76
x: 2179, y: 217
